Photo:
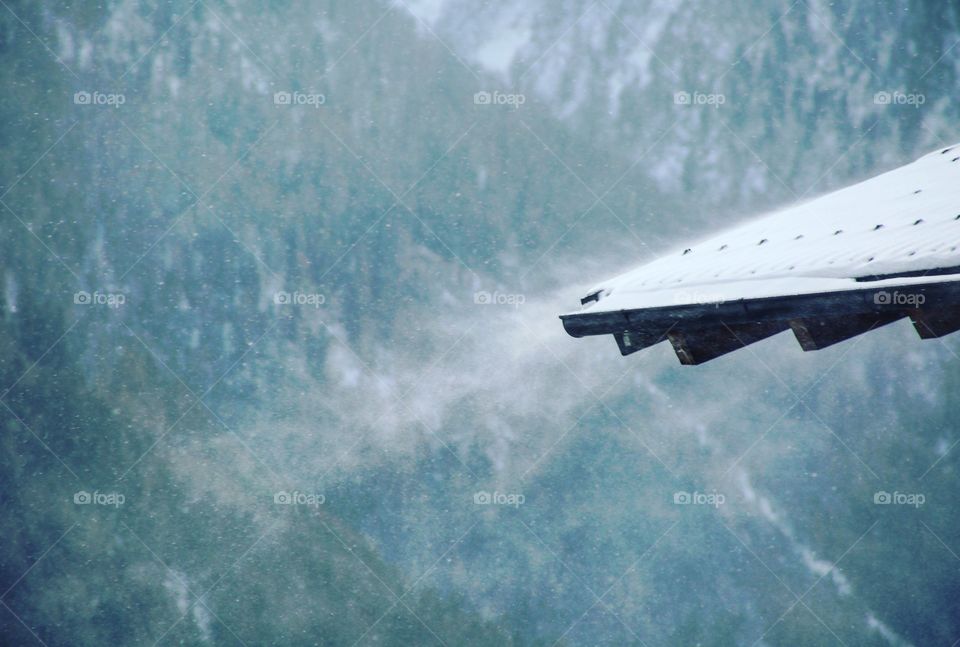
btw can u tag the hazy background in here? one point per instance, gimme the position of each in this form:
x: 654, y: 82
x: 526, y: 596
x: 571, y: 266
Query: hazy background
x: 255, y: 253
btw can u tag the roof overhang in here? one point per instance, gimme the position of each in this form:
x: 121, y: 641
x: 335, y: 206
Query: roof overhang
x: 828, y: 270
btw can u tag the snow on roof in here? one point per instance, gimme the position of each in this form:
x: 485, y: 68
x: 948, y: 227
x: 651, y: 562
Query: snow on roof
x: 901, y: 228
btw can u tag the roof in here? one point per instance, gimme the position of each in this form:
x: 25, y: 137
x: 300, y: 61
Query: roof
x: 880, y: 250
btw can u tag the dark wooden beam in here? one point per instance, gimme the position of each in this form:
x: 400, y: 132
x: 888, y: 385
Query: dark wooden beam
x: 698, y: 346
x: 821, y: 332
x: 631, y: 341
x: 931, y: 324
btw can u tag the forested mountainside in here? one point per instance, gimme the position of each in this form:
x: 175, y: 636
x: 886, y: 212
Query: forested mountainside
x: 254, y: 248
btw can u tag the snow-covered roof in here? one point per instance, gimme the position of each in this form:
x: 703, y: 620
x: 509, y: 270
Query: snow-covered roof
x: 899, y: 230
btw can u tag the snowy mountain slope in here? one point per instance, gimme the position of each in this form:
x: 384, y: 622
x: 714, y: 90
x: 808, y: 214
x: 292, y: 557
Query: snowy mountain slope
x: 616, y: 69
x: 405, y: 395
